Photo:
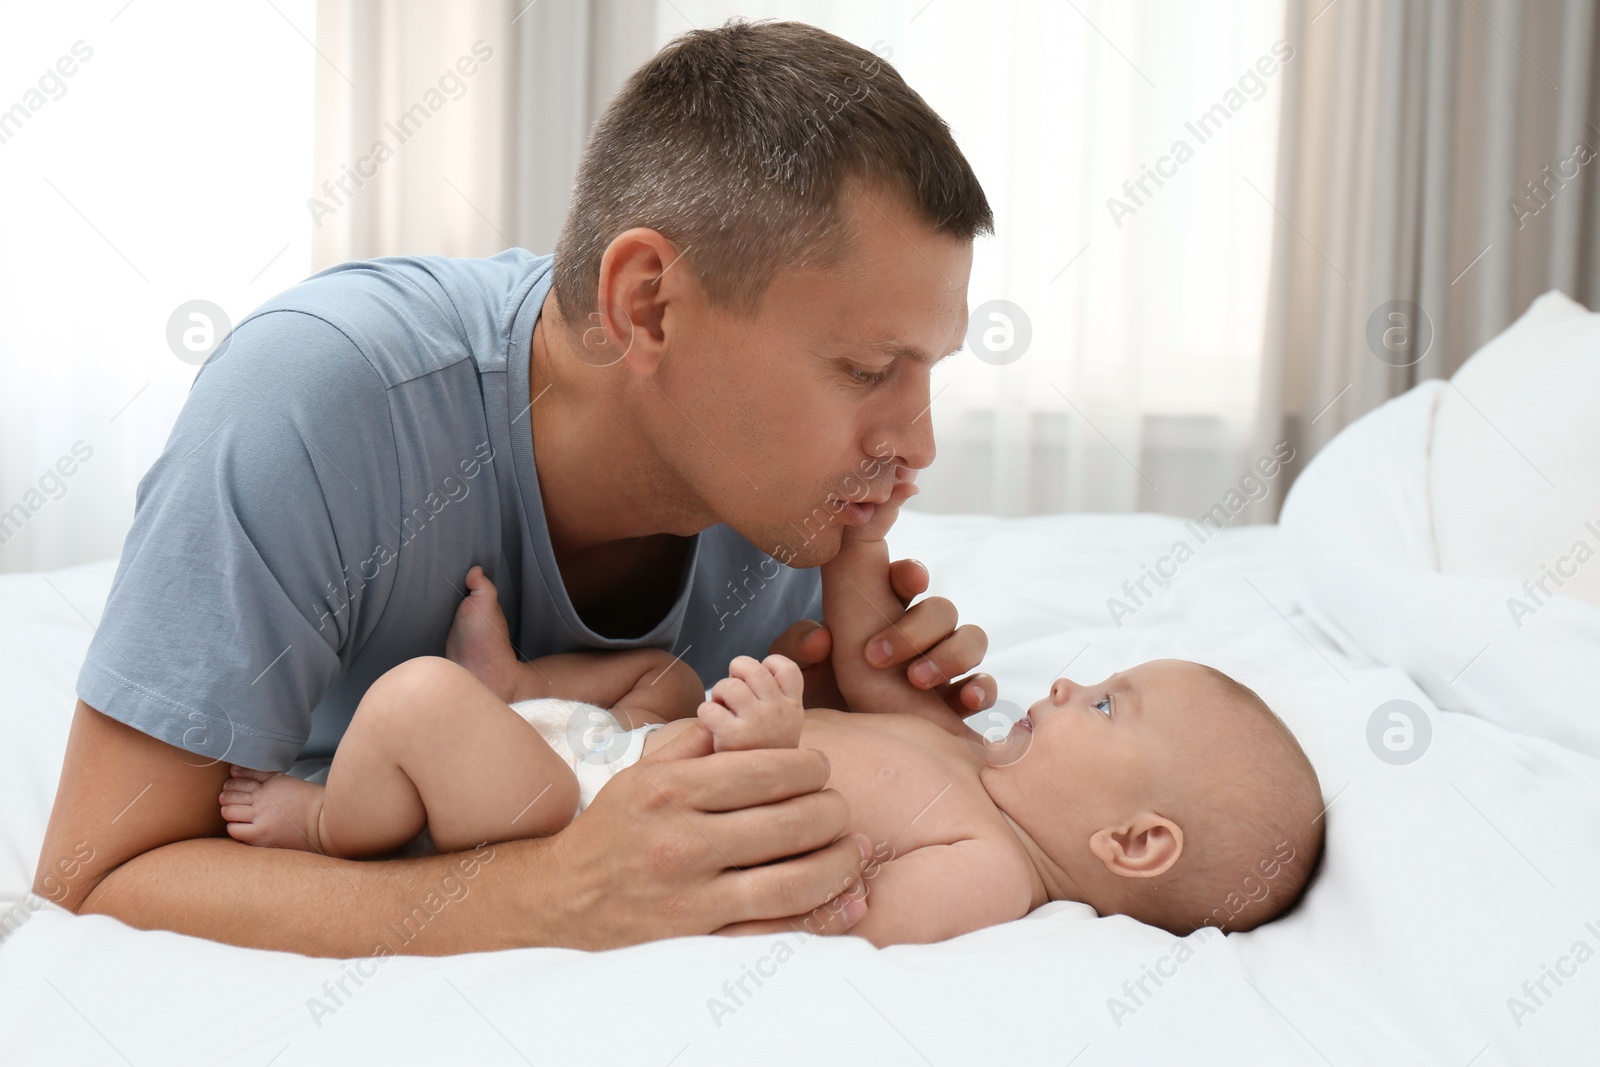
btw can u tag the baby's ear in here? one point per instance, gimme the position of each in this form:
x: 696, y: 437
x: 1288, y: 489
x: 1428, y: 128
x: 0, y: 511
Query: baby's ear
x: 1145, y: 847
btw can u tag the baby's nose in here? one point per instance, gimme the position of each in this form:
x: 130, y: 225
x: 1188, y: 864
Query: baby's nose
x: 1060, y: 691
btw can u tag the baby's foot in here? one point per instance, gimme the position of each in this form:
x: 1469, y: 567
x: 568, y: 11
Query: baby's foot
x: 273, y: 810
x: 480, y: 640
x: 757, y: 705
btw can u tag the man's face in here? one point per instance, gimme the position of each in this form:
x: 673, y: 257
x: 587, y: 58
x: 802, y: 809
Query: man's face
x: 815, y: 398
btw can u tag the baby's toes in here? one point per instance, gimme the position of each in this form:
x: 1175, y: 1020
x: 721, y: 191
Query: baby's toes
x: 246, y: 831
x: 238, y: 799
x: 239, y: 814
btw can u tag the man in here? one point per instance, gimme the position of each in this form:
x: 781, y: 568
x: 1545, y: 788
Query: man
x: 650, y: 439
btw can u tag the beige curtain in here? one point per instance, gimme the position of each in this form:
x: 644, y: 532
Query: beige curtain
x: 1431, y: 152
x: 456, y: 128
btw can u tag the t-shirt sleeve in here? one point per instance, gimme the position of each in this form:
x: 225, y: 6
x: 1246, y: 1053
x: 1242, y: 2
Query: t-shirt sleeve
x: 232, y: 610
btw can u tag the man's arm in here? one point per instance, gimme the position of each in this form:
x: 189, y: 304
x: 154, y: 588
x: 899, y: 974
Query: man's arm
x: 136, y: 834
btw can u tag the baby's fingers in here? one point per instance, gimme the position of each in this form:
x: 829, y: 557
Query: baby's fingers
x: 715, y: 716
x: 756, y: 675
x: 790, y: 681
x: 733, y: 692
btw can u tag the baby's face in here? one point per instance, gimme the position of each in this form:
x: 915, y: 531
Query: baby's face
x: 1097, y: 753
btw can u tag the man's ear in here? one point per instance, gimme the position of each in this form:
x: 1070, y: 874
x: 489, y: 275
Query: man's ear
x: 640, y: 274
x: 1144, y: 847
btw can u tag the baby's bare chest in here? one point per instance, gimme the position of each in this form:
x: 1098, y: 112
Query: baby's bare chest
x: 907, y: 787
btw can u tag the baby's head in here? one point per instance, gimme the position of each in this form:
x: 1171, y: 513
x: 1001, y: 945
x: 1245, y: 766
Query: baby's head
x: 1169, y: 792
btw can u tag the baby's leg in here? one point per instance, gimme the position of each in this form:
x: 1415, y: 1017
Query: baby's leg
x: 429, y: 745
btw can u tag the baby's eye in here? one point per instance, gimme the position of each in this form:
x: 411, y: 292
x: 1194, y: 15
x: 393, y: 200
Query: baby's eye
x: 1103, y: 705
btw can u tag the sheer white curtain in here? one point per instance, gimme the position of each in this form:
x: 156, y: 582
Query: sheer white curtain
x: 151, y: 154
x: 1138, y: 388
x: 456, y: 129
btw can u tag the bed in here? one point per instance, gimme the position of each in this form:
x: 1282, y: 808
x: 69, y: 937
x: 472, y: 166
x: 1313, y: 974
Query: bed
x: 1456, y: 919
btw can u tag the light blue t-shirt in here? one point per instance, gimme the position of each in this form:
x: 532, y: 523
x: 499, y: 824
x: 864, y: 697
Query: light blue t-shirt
x: 360, y: 443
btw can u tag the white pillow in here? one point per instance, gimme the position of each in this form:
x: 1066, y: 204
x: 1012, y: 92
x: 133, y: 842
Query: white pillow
x: 1515, y: 480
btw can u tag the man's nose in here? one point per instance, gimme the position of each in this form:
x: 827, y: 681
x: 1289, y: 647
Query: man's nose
x: 911, y: 444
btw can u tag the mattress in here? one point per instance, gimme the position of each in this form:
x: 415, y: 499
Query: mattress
x: 1456, y: 919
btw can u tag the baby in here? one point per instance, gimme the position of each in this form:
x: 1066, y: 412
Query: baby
x: 1169, y: 792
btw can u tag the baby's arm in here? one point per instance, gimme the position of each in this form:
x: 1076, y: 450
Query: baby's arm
x: 942, y: 891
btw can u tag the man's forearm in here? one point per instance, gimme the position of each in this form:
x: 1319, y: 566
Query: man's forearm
x: 293, y: 901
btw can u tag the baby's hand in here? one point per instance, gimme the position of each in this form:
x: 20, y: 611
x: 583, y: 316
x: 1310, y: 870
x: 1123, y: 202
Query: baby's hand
x: 756, y: 706
x: 479, y: 638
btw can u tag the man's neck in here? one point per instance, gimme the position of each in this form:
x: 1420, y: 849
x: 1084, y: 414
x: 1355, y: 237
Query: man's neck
x: 600, y: 479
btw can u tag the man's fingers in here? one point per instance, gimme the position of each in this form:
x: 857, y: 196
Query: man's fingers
x: 810, y: 645
x: 770, y: 832
x: 692, y: 743
x: 908, y: 578
x: 951, y: 658
x: 836, y: 916
x: 807, y: 642
x: 798, y: 887
x: 729, y: 781
x: 973, y: 693
x: 927, y: 625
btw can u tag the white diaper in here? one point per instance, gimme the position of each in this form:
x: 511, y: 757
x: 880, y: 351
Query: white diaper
x: 587, y: 737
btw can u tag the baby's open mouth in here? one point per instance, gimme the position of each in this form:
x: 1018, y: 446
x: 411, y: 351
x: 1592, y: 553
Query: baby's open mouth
x: 1026, y: 722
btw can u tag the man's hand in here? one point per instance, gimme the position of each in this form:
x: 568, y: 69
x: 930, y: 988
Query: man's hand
x: 684, y: 842
x: 925, y: 638
x: 657, y: 855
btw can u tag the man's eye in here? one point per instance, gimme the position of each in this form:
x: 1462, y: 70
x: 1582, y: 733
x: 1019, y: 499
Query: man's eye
x: 1103, y: 705
x: 866, y: 377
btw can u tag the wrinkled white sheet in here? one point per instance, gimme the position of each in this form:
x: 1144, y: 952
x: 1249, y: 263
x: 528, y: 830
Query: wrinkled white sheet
x: 1449, y: 882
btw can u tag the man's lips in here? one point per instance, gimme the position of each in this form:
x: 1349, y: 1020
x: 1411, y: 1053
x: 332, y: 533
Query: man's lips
x: 854, y: 512
x: 857, y: 514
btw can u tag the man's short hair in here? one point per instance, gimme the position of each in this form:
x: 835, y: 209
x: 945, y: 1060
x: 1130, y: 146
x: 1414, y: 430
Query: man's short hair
x: 738, y: 143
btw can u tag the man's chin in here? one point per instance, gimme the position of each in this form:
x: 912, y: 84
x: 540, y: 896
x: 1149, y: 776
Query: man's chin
x: 800, y: 548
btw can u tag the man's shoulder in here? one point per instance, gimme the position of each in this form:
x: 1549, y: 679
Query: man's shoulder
x: 410, y: 316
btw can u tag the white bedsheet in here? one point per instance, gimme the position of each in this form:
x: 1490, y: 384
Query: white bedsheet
x: 1449, y: 883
